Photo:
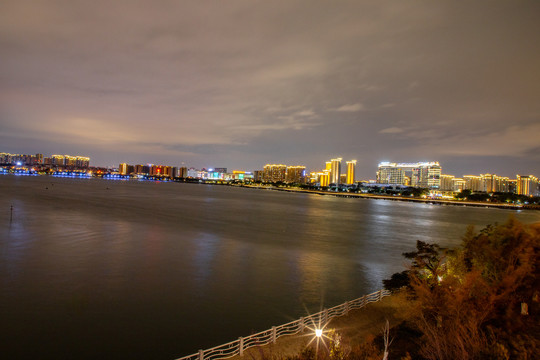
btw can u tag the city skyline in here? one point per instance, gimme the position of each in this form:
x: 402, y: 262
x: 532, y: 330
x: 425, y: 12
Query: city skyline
x: 283, y: 82
x: 418, y: 174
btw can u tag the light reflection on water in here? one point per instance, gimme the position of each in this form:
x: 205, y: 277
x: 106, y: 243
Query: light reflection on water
x: 159, y: 270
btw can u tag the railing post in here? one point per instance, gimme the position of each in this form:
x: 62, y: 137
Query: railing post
x: 273, y: 334
x: 325, y: 318
x: 241, y: 345
x: 346, y: 308
x: 302, y: 324
x: 380, y: 295
x: 201, y: 355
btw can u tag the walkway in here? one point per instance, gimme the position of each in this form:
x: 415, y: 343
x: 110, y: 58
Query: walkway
x: 356, y: 326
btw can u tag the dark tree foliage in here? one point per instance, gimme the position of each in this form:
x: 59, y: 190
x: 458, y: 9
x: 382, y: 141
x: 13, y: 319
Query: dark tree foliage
x: 464, y: 194
x: 480, y: 301
x: 397, y: 281
x: 427, y: 259
x: 480, y: 196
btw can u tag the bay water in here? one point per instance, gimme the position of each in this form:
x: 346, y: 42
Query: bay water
x: 108, y: 269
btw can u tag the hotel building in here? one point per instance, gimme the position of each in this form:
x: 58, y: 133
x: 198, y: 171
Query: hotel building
x: 421, y: 174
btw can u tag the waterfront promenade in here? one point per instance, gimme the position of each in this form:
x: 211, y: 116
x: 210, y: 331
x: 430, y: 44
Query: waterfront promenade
x: 354, y: 329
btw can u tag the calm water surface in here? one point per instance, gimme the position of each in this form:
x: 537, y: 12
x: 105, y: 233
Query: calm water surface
x: 144, y: 270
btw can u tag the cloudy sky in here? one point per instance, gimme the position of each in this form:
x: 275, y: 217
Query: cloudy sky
x: 239, y: 84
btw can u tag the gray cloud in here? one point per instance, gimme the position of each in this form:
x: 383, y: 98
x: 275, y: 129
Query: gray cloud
x: 391, y: 130
x: 245, y: 83
x: 350, y: 108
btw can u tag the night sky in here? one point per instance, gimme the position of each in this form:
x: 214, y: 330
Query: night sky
x: 239, y: 84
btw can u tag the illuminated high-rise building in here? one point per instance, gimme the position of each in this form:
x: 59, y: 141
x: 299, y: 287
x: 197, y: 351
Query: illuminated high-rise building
x: 422, y: 174
x: 5, y: 158
x: 489, y: 182
x: 182, y: 172
x: 38, y: 159
x: 57, y: 160
x: 123, y: 169
x: 336, y: 171
x: 474, y: 183
x: 16, y: 159
x: 328, y: 169
x: 274, y: 173
x: 390, y: 173
x: 458, y: 184
x: 314, y: 177
x: 296, y: 175
x: 257, y: 175
x: 501, y: 184
x: 494, y: 183
x: 324, y: 178
x: 156, y: 170
x: 70, y: 160
x: 82, y: 162
x: 351, y: 165
x: 447, y: 182
x: 527, y: 185
x: 167, y: 171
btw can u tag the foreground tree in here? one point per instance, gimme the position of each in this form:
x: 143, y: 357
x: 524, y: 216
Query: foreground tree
x: 471, y: 306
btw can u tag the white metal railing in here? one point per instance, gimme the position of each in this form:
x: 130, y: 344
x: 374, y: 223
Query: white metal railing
x: 269, y: 336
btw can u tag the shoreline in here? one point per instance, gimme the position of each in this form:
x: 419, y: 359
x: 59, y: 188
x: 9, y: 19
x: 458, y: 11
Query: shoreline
x: 400, y: 198
x: 346, y: 194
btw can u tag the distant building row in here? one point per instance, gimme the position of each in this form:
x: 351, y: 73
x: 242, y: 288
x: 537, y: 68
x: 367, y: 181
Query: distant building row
x: 183, y: 172
x: 79, y: 162
x: 490, y: 183
x: 152, y: 170
x: 275, y: 173
x: 429, y: 175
